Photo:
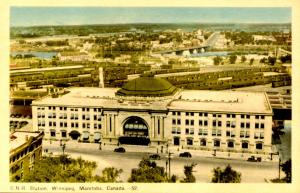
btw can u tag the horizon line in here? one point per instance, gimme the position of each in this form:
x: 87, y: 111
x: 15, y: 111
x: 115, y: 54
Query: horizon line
x: 69, y: 25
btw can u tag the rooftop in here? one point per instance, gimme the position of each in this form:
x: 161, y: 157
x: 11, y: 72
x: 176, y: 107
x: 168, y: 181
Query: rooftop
x: 222, y: 101
x: 147, y: 85
x: 18, y: 138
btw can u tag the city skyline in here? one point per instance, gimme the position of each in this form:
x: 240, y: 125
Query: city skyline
x: 41, y: 16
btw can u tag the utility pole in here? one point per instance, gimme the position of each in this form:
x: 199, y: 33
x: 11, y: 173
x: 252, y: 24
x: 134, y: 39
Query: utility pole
x: 279, y: 168
x: 169, y: 158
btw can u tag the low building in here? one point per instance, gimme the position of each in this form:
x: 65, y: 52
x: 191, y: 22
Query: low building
x: 25, y: 150
x: 149, y: 110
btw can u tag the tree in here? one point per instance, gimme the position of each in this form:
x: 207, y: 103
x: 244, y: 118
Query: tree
x: 232, y: 59
x: 228, y: 175
x: 271, y: 60
x: 110, y: 174
x: 287, y: 169
x: 251, y: 61
x: 65, y: 169
x: 188, y: 172
x: 148, y: 171
x: 217, y: 60
x: 243, y: 59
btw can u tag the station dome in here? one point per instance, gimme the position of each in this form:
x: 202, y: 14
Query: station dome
x: 147, y: 86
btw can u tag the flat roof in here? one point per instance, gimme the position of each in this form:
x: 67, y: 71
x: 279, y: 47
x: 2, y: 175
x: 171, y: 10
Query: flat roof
x: 45, y: 69
x: 186, y: 100
x: 222, y: 101
x: 18, y: 138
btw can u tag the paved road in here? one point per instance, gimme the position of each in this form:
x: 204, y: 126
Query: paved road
x: 251, y: 171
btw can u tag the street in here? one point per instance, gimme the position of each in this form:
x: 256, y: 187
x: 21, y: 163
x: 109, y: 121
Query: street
x: 252, y: 172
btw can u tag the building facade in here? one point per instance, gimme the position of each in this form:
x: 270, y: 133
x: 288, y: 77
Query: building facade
x: 25, y: 149
x: 149, y: 110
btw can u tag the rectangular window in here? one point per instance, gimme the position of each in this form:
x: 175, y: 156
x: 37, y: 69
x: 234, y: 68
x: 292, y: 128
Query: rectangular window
x: 95, y: 126
x: 214, y: 132
x: 192, y: 114
x: 247, y: 134
x: 72, y: 125
x: 261, y: 135
x: 205, y: 114
x: 219, y: 123
x: 95, y: 117
x: 227, y: 123
x: 242, y: 134
x: 83, y: 125
x: 256, y: 116
x: 65, y: 124
x: 178, y: 122
x: 76, y: 125
x: 200, y: 114
x: 214, y: 123
x: 174, y: 121
x: 191, y: 131
x: 63, y: 134
x: 262, y: 125
x: 173, y: 113
x: 54, y: 124
x: 219, y: 132
x: 205, y: 123
x: 242, y: 125
x: 88, y: 125
x: 52, y: 133
x: 256, y: 125
x: 99, y: 126
x: 158, y: 126
x: 187, y: 122
x: 187, y: 131
x: 178, y: 113
x: 200, y: 123
x: 187, y: 114
x: 192, y: 122
x: 50, y: 124
x: 242, y: 116
x: 248, y: 116
x: 247, y: 125
x: 256, y: 135
x: 262, y: 117
x: 227, y: 133
x: 61, y: 124
x: 174, y: 130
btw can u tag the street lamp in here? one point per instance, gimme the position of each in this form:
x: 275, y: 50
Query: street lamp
x: 169, y: 162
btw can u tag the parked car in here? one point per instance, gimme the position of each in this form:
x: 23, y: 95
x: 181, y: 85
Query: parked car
x: 185, y: 154
x: 120, y: 150
x: 154, y: 156
x: 254, y: 159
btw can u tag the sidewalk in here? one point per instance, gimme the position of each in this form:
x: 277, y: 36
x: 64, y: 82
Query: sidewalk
x: 152, y: 150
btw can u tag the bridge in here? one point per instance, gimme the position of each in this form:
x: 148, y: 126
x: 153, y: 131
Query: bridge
x: 211, y: 40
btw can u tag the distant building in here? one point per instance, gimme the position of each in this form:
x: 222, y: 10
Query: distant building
x: 151, y: 111
x: 263, y: 38
x: 73, y: 56
x: 25, y: 150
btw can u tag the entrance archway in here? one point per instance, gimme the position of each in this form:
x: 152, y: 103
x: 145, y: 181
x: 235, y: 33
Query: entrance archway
x: 135, y: 132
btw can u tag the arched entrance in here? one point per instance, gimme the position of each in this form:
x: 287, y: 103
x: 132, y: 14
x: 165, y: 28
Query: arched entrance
x: 135, y: 132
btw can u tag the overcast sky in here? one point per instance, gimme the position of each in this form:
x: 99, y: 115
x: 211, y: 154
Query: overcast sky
x: 32, y: 16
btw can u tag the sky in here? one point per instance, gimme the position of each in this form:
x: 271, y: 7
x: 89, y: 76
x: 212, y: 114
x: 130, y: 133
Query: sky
x: 35, y: 16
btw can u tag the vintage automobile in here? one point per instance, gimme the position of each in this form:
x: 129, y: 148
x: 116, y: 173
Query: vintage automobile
x: 120, y: 150
x: 185, y: 154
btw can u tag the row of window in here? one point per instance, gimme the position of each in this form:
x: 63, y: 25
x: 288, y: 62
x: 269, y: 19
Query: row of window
x: 201, y: 114
x: 216, y: 123
x: 217, y: 143
x: 218, y: 132
x: 25, y: 151
x: 65, y: 124
x: 71, y: 109
x: 72, y: 117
